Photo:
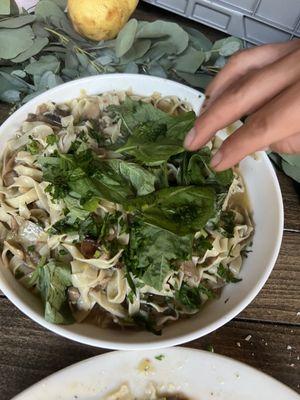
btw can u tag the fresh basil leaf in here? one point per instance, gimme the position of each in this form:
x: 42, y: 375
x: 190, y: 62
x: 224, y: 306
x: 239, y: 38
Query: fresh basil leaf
x: 181, y: 210
x: 196, y: 170
x: 140, y: 178
x: 156, y: 274
x: 53, y: 282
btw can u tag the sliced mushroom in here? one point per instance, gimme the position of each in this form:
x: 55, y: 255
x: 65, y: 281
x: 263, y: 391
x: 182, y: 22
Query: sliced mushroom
x: 88, y: 248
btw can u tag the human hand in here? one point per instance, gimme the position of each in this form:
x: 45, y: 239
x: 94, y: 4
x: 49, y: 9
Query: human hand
x: 264, y: 84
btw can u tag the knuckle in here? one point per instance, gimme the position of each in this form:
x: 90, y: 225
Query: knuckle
x: 259, y: 125
x: 238, y: 58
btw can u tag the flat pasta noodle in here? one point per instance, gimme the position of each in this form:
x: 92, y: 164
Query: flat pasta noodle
x: 87, y: 236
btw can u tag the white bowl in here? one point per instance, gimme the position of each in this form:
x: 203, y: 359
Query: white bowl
x: 265, y: 198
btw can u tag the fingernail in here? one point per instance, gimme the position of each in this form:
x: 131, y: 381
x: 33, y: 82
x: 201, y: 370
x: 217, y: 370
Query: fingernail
x: 217, y: 158
x: 188, y: 141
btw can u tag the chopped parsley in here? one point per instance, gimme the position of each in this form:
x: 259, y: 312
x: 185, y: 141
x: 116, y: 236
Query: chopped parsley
x: 227, y: 275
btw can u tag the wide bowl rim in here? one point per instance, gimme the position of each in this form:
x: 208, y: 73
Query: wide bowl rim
x: 161, y: 343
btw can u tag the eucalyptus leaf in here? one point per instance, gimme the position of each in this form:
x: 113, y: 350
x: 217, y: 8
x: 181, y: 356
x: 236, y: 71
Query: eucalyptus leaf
x: 31, y: 96
x: 39, y: 30
x: 157, y: 70
x: 49, y: 80
x: 17, y: 22
x: 15, y: 82
x: 174, y: 34
x: 196, y: 80
x: 292, y: 159
x: 227, y: 47
x: 61, y: 4
x: 47, y: 10
x: 71, y: 60
x: 10, y: 96
x: 198, y: 40
x: 291, y: 170
x: 220, y: 62
x: 14, y: 42
x: 104, y: 60
x: 5, y: 7
x: 131, y: 68
x: 190, y: 60
x: 138, y: 50
x: 159, y: 50
x: 38, y: 45
x: 83, y: 59
x: 126, y: 38
x: 44, y: 64
x: 19, y: 73
x: 70, y: 73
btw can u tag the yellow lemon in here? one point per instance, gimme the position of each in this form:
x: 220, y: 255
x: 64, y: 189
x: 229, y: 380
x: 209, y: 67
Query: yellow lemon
x: 100, y: 19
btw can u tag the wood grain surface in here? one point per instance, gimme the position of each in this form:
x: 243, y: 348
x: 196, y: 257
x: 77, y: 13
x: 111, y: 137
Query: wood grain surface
x: 271, y: 322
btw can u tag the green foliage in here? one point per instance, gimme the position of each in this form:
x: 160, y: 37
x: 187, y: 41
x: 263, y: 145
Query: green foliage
x: 151, y: 251
x: 227, y: 275
x: 45, y: 46
x: 52, y: 281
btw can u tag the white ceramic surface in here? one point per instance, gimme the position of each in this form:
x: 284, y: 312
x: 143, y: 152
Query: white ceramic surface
x: 200, y: 375
x: 265, y: 198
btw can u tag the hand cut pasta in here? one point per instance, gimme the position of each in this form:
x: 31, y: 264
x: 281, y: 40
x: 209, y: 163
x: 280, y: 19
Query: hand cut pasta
x: 106, y: 217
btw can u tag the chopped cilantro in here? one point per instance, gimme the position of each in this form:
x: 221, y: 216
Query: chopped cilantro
x: 160, y: 357
x: 31, y: 248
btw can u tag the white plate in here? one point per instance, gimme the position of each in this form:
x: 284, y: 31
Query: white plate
x: 200, y: 375
x: 265, y: 198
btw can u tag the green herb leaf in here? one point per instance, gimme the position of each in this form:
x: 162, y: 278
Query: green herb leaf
x: 52, y: 284
x: 227, y: 275
x: 181, y: 210
x: 156, y: 274
x: 147, y: 244
x: 189, y: 297
x: 140, y: 178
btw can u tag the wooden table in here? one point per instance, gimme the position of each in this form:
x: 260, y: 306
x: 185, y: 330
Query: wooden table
x: 29, y: 353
